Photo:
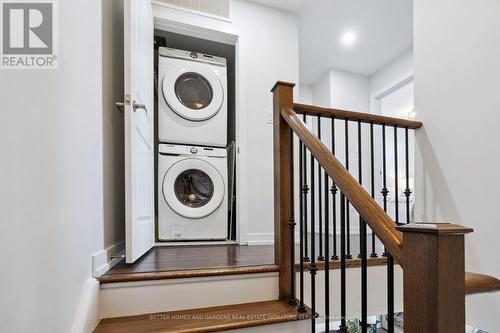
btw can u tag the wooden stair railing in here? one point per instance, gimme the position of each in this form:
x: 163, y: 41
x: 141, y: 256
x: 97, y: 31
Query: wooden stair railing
x: 431, y: 255
x: 372, y: 213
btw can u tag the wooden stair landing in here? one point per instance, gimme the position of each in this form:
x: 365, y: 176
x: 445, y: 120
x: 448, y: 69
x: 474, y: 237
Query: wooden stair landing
x: 213, y: 319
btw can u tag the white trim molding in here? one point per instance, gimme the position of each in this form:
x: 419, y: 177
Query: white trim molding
x: 194, y: 12
x: 377, y: 96
x: 268, y: 238
x: 260, y: 238
x: 105, y: 259
x: 87, y: 313
x: 173, y: 20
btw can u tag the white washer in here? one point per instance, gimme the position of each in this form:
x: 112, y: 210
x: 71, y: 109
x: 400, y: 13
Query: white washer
x: 192, y: 193
x: 193, y: 98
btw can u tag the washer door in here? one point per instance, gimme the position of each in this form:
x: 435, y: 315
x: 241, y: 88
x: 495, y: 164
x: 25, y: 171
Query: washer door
x: 193, y: 188
x: 194, y: 93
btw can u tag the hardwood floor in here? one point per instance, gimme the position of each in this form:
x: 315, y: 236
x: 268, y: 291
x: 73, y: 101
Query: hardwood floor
x: 197, y: 260
x: 213, y: 319
x: 167, y: 262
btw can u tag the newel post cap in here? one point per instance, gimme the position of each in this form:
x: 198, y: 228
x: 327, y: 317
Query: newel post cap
x: 282, y: 83
x: 435, y: 228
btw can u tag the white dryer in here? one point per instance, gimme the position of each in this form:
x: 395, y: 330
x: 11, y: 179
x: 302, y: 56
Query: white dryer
x: 192, y: 193
x: 193, y: 98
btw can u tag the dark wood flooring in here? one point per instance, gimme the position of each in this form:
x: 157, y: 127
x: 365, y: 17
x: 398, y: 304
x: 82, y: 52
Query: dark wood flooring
x: 167, y: 262
x: 197, y: 257
x: 213, y: 319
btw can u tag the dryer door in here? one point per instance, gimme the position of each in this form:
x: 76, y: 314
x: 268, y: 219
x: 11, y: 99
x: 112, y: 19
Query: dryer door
x: 194, y: 92
x: 193, y: 188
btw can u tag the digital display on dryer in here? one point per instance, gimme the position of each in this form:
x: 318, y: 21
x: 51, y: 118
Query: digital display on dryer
x: 193, y: 91
x: 193, y: 188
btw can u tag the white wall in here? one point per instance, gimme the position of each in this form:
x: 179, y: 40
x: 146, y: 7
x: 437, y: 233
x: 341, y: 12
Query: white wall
x: 267, y: 51
x: 51, y: 209
x: 112, y: 127
x: 305, y: 94
x: 349, y: 91
x: 342, y: 90
x: 457, y: 77
x: 394, y: 71
x: 322, y: 91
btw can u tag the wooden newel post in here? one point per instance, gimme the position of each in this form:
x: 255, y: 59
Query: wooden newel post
x: 283, y: 186
x: 434, y: 278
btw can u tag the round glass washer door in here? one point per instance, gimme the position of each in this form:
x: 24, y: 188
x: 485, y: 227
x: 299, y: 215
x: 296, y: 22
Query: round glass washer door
x: 193, y: 188
x: 194, y: 93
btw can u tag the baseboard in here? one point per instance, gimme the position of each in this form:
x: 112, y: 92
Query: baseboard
x: 87, y: 313
x: 260, y: 238
x: 194, y: 243
x: 268, y: 238
x: 105, y: 259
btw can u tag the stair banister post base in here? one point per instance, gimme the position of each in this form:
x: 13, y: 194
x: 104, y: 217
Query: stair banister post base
x: 283, y: 187
x: 434, y: 278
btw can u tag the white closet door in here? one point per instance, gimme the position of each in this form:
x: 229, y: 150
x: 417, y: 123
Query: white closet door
x: 139, y: 129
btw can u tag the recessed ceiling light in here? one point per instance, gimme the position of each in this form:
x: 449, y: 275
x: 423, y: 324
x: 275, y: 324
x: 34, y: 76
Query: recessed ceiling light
x: 349, y: 38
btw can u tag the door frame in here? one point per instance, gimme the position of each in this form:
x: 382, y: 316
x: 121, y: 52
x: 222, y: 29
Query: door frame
x: 376, y: 108
x: 177, y: 25
x: 375, y: 98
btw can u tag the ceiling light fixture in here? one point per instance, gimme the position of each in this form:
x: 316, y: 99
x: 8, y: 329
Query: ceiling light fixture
x: 349, y: 38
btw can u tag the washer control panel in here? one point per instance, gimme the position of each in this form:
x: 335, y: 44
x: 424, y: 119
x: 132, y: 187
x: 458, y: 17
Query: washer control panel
x: 178, y: 150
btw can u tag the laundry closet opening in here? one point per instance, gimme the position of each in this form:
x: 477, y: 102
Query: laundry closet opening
x: 195, y: 140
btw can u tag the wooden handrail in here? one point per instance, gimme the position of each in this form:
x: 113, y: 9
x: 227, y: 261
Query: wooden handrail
x: 312, y: 110
x: 381, y: 224
x: 432, y: 255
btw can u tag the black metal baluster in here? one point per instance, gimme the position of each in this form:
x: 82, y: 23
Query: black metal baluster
x: 343, y: 326
x: 362, y: 245
x: 372, y: 185
x: 291, y: 225
x: 396, y: 176
x: 327, y: 254
x: 301, y: 308
x: 320, y: 204
x: 360, y: 180
x: 305, y: 190
x: 407, y: 189
x: 334, y: 190
x: 348, y: 218
x: 390, y: 260
x: 384, y: 191
x: 390, y: 293
x: 312, y: 267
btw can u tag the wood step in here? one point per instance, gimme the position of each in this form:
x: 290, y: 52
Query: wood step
x: 480, y: 283
x: 474, y: 283
x: 161, y: 275
x: 189, y: 273
x: 213, y: 319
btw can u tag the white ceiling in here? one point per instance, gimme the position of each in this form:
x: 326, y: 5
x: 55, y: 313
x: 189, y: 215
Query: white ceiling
x: 383, y: 28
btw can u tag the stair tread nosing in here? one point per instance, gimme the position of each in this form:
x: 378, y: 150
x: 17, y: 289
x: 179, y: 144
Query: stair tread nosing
x: 212, y: 319
x: 187, y: 273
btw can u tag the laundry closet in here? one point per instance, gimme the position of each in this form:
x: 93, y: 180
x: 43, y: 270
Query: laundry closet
x: 195, y: 139
x: 180, y: 137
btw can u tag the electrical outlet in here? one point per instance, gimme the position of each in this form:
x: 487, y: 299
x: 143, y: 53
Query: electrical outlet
x: 269, y: 117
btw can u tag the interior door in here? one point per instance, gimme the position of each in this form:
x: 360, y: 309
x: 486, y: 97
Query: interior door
x: 139, y: 139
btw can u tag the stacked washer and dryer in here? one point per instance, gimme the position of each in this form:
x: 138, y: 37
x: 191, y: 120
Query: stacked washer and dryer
x: 192, y: 133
